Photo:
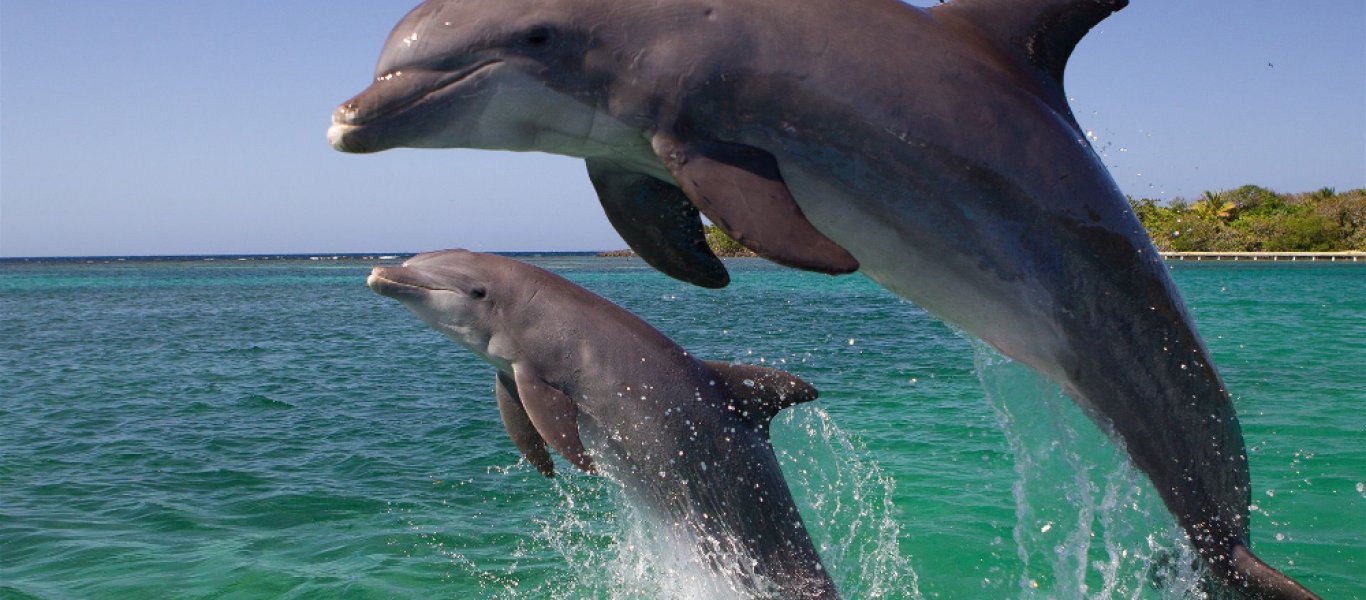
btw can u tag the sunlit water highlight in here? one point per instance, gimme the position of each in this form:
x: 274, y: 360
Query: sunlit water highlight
x: 274, y: 429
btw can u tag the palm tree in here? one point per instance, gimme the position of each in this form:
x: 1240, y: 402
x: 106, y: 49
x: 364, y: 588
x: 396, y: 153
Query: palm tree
x: 1213, y: 207
x: 1323, y: 193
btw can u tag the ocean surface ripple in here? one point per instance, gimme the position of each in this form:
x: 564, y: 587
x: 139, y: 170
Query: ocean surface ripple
x: 271, y: 428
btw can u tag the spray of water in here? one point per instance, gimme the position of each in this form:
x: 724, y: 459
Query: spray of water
x: 1088, y: 525
x: 612, y: 549
x: 847, y: 503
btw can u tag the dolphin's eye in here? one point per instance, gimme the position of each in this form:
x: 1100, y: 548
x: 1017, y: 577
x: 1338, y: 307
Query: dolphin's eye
x: 478, y: 293
x: 537, y: 37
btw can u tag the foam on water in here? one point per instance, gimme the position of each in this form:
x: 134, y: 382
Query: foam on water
x: 641, y: 558
x: 612, y: 549
x: 846, y: 501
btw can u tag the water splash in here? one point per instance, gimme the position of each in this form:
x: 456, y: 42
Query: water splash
x: 1088, y: 525
x: 615, y: 551
x: 846, y: 501
x: 612, y: 549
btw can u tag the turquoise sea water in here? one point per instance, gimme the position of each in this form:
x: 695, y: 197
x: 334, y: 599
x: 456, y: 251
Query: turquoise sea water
x: 261, y: 429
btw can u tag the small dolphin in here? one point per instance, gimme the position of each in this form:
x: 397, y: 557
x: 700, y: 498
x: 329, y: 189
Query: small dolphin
x: 687, y: 438
x: 931, y: 149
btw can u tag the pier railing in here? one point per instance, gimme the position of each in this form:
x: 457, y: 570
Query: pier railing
x: 1271, y: 256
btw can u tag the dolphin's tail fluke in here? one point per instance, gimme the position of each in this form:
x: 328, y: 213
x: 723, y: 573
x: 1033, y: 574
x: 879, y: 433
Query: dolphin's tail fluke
x: 1261, y: 581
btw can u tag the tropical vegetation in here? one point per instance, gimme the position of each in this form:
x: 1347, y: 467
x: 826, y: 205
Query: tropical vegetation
x: 1256, y: 219
x: 722, y: 245
x: 1246, y: 219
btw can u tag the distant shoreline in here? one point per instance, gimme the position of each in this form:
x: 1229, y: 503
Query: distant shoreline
x: 628, y: 253
x: 1358, y: 257
x: 312, y: 256
x: 1344, y: 256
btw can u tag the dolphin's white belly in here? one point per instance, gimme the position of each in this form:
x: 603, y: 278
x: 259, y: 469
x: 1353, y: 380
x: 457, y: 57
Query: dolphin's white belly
x: 1014, y: 317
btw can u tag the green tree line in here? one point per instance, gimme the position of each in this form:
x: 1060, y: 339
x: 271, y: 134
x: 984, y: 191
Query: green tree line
x: 1255, y: 219
x: 722, y: 245
x: 1245, y: 219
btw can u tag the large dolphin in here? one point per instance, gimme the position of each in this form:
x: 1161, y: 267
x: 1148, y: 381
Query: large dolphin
x: 933, y: 150
x: 687, y: 438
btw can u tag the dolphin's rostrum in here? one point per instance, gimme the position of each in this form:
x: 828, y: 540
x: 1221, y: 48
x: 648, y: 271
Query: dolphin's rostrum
x: 932, y: 150
x: 687, y: 439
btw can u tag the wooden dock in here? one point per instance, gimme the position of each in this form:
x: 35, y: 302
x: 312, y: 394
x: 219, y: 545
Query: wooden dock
x: 1268, y: 256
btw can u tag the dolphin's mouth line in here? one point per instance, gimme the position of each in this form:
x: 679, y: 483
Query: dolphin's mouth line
x: 413, y: 286
x: 357, y: 120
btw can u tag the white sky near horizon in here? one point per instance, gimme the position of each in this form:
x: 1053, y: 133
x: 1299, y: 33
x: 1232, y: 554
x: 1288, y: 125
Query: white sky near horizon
x: 153, y: 127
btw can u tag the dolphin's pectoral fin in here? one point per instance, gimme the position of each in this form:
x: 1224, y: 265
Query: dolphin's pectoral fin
x: 553, y: 414
x: 519, y: 426
x: 659, y: 222
x: 760, y: 392
x: 740, y: 189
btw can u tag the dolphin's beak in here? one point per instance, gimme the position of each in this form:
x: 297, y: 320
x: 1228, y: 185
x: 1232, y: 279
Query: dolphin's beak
x: 344, y: 134
x: 337, y: 138
x: 388, y: 96
x: 347, y: 126
x: 394, y: 101
x: 399, y: 283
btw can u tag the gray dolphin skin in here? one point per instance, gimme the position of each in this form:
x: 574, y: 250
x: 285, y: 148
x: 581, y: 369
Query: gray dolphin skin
x: 931, y: 149
x: 687, y: 439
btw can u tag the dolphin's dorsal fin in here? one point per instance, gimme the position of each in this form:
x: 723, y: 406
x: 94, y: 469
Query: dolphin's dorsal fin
x: 758, y: 393
x: 1044, y: 31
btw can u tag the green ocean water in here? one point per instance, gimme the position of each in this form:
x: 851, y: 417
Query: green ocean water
x: 271, y: 428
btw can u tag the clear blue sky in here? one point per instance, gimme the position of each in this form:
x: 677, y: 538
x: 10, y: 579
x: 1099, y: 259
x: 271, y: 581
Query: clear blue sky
x: 138, y: 127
